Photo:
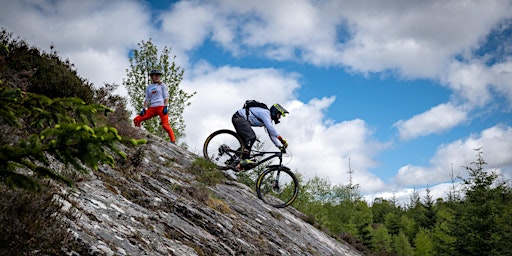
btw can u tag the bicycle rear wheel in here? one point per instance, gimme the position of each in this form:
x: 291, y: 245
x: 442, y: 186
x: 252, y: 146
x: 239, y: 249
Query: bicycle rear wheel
x: 277, y: 186
x: 223, y: 147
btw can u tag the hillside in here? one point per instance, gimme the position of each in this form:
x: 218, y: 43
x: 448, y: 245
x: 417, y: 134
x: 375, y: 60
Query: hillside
x: 156, y: 206
x: 159, y: 200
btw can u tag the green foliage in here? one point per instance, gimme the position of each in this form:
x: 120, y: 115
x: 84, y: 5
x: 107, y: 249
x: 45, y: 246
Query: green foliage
x: 337, y: 209
x: 392, y: 221
x: 381, y: 208
x: 62, y: 127
x: 401, y: 245
x: 206, y: 172
x: 142, y: 62
x: 381, y: 240
x: 39, y: 72
x: 47, y: 111
x: 481, y: 225
x: 443, y: 241
x: 478, y: 223
x: 424, y: 246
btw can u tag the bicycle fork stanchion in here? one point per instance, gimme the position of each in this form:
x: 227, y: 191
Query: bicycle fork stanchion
x: 275, y: 185
x: 275, y: 182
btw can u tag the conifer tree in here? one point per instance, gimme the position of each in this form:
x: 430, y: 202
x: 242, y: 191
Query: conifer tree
x: 401, y: 245
x: 142, y: 61
x: 381, y: 240
x: 482, y: 221
x: 35, y: 127
x: 423, y: 243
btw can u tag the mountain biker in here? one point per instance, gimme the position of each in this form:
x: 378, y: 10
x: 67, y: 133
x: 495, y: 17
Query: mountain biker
x: 156, y: 101
x: 243, y: 121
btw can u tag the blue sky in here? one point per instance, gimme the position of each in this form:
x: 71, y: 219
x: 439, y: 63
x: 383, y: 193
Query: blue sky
x: 404, y: 89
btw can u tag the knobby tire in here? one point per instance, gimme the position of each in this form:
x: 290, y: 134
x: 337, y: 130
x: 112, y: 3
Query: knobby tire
x: 218, y: 139
x: 281, y: 196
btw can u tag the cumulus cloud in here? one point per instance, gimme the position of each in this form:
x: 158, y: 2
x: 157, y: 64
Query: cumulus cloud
x: 195, y: 24
x: 417, y: 38
x: 502, y: 77
x: 495, y: 143
x: 224, y: 90
x: 344, y: 145
x: 95, y: 35
x: 474, y: 82
x: 437, y: 119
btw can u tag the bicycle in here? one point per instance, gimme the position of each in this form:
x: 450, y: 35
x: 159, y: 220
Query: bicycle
x: 277, y: 182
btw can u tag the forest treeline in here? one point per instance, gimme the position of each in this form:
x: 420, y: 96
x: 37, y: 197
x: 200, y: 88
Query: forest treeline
x: 35, y: 85
x: 475, y: 220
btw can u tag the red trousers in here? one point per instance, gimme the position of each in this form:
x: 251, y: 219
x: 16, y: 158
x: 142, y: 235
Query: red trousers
x: 156, y: 111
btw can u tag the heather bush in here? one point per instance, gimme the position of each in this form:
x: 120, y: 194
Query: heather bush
x: 31, y: 223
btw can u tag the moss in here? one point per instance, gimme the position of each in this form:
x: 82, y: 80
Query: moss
x: 276, y: 215
x: 206, y: 172
x: 219, y: 205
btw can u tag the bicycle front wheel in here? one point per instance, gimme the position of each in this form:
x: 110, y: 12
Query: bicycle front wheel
x: 223, y: 147
x: 277, y: 186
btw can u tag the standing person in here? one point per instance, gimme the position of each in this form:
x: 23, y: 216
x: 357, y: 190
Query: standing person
x: 258, y: 116
x: 155, y: 103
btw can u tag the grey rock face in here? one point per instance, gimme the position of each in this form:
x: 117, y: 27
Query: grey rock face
x: 151, y: 205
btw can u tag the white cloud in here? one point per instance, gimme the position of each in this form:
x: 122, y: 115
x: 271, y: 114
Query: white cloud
x: 496, y: 145
x: 416, y: 37
x: 223, y: 90
x: 109, y: 72
x: 324, y: 147
x: 419, y: 38
x: 470, y: 82
x: 502, y: 77
x: 437, y: 119
x: 403, y: 196
x: 189, y: 23
x: 95, y: 35
x: 474, y: 82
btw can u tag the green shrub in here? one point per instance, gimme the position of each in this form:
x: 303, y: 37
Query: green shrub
x: 39, y: 72
x: 206, y: 172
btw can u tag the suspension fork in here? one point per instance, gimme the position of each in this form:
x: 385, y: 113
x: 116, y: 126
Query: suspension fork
x: 275, y: 182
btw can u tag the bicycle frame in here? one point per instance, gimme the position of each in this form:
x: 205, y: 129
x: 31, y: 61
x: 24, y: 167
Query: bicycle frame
x: 268, y: 158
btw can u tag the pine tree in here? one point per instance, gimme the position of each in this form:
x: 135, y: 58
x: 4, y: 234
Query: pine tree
x: 423, y: 243
x: 142, y: 62
x: 381, y: 208
x: 442, y: 233
x: 401, y: 245
x: 482, y: 225
x: 36, y: 127
x: 381, y: 240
